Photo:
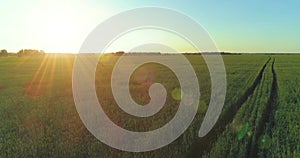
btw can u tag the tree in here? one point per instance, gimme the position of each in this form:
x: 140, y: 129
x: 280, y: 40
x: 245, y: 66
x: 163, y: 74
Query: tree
x: 30, y: 52
x: 3, y: 52
x: 119, y: 53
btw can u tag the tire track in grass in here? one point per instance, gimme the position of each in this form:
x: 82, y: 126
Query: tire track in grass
x: 253, y: 115
x: 204, y: 144
x: 267, y: 115
x: 249, y: 110
x: 235, y: 139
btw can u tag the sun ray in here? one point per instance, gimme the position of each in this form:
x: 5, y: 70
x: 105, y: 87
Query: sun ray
x: 42, y: 79
x: 29, y: 87
x: 39, y: 70
x: 69, y: 66
x: 51, y: 80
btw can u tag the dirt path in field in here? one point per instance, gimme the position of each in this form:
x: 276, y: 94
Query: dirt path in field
x: 205, y: 144
x: 267, y: 115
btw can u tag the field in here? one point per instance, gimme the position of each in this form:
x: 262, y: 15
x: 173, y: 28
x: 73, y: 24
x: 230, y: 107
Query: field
x: 260, y: 118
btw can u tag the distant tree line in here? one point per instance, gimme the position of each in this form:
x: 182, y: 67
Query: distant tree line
x: 3, y: 53
x: 26, y: 52
x: 119, y: 53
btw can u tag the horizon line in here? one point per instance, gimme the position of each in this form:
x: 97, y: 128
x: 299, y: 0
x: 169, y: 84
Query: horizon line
x: 156, y: 52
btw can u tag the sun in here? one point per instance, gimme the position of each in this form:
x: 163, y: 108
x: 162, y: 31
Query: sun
x: 54, y: 28
x: 59, y: 26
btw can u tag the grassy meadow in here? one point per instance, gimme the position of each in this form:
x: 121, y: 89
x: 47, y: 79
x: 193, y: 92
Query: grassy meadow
x: 260, y: 117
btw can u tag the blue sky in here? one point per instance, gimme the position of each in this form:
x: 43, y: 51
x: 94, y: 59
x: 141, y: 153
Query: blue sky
x: 236, y: 26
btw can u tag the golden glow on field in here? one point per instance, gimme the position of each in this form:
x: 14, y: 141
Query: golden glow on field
x: 34, y: 87
x: 43, y: 79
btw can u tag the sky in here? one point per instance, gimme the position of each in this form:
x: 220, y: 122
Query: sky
x: 234, y: 25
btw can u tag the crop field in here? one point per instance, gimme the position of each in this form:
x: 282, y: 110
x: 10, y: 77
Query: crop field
x: 260, y: 117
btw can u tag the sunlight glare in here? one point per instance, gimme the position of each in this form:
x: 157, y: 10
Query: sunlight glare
x: 59, y: 26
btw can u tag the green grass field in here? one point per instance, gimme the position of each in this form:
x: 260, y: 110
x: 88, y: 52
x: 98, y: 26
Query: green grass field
x: 260, y: 117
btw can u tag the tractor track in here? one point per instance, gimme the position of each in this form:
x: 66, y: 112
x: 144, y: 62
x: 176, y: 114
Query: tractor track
x: 267, y: 115
x: 205, y: 143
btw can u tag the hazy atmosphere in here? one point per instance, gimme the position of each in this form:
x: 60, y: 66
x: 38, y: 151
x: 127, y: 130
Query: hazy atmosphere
x: 235, y: 26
